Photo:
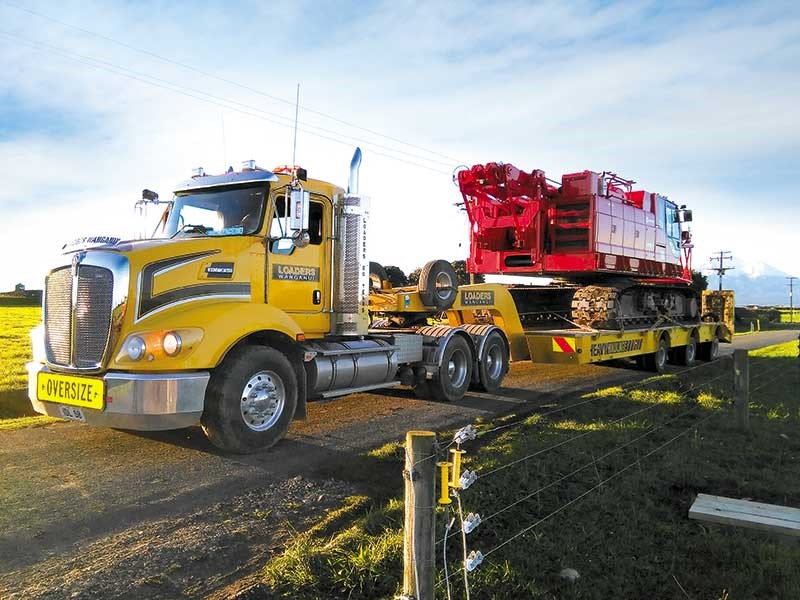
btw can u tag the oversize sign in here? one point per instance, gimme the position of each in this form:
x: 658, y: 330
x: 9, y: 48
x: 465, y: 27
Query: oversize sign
x: 295, y: 272
x: 606, y: 348
x: 477, y: 297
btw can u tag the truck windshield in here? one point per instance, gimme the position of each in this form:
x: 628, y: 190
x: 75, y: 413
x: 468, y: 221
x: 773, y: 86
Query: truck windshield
x: 216, y: 211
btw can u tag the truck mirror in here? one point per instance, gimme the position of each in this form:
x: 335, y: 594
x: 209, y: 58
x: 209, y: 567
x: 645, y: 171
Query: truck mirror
x: 298, y: 212
x: 684, y: 215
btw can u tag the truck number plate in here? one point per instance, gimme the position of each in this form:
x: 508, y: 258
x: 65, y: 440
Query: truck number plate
x: 73, y: 413
x: 85, y: 392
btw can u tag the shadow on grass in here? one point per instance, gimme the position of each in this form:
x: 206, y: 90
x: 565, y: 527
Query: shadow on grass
x: 639, y: 455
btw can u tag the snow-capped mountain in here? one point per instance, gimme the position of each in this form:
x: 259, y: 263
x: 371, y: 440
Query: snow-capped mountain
x: 755, y: 282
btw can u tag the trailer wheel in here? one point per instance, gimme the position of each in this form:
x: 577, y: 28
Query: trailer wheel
x: 250, y: 400
x: 438, y: 284
x: 657, y: 361
x: 687, y: 355
x: 493, y: 366
x: 709, y: 351
x: 377, y: 275
x: 455, y: 371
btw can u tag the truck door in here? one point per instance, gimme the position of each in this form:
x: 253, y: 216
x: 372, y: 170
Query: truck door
x: 298, y: 279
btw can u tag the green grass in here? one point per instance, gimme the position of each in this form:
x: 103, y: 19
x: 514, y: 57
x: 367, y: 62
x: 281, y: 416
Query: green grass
x: 788, y: 316
x: 630, y: 538
x: 15, y: 350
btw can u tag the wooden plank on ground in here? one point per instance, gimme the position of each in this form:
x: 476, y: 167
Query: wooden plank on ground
x: 744, y: 513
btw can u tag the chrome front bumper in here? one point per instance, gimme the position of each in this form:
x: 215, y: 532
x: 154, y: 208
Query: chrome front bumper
x: 142, y: 402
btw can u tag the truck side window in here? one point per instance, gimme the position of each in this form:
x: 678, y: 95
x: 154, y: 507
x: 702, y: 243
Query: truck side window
x: 280, y: 243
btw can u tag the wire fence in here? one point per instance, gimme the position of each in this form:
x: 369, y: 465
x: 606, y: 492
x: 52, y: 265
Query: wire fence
x: 722, y: 386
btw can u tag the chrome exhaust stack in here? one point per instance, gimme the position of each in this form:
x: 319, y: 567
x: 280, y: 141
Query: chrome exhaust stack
x: 351, y: 301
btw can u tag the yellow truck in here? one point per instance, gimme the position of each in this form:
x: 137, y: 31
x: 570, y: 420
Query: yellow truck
x: 254, y: 295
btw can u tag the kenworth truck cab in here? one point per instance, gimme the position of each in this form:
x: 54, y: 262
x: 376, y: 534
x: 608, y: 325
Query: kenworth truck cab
x: 251, y: 296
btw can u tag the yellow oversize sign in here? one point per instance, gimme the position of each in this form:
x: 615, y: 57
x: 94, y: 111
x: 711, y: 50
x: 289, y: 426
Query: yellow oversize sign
x: 86, y: 392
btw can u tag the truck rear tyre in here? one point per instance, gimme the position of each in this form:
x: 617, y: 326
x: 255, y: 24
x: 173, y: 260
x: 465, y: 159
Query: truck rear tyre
x: 250, y: 400
x: 687, y: 355
x: 438, y: 284
x: 455, y: 371
x: 493, y: 366
x: 657, y: 361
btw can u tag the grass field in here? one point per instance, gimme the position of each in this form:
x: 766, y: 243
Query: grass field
x: 788, y: 316
x: 15, y: 350
x: 629, y: 537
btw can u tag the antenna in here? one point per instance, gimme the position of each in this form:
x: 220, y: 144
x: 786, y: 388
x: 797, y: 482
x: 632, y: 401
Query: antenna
x: 296, y: 112
x: 722, y: 269
x: 224, y: 145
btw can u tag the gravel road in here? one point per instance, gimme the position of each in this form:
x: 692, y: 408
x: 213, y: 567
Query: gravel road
x: 109, y: 514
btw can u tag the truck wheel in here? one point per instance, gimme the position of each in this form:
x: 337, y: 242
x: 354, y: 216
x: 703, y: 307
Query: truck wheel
x: 709, y: 351
x: 377, y: 275
x: 250, y: 400
x: 687, y: 355
x: 438, y: 284
x: 492, y: 368
x: 657, y: 361
x: 455, y: 371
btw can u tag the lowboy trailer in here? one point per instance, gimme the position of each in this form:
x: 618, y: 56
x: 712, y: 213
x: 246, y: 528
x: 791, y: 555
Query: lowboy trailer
x: 255, y: 295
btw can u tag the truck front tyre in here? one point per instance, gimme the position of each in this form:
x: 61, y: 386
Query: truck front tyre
x: 455, y: 371
x: 657, y: 361
x: 250, y: 400
x: 492, y: 368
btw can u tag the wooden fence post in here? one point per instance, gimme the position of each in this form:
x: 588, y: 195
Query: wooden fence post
x: 419, y: 570
x: 741, y: 388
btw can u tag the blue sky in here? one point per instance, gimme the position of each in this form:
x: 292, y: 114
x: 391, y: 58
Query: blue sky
x: 696, y: 100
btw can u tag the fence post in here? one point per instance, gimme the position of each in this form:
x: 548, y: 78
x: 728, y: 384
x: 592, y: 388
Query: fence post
x: 741, y: 388
x: 420, y: 504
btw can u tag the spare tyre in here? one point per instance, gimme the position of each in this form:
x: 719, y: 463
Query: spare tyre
x: 377, y: 275
x: 438, y: 284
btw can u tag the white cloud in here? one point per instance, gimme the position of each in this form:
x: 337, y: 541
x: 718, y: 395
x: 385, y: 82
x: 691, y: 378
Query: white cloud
x: 694, y: 102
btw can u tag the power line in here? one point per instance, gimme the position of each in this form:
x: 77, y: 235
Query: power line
x: 791, y: 297
x: 225, y: 80
x: 721, y: 269
x: 209, y: 98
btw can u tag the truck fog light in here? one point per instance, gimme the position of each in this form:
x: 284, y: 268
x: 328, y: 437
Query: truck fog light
x: 171, y: 343
x: 135, y: 347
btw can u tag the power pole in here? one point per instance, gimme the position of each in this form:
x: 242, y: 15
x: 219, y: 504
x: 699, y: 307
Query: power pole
x: 721, y: 269
x: 791, y: 298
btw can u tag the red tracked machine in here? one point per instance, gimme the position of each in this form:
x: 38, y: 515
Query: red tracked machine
x: 619, y: 256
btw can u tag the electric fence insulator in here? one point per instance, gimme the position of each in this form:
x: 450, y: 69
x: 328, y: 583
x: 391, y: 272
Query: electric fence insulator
x: 455, y: 479
x: 444, y: 492
x: 471, y: 521
x: 467, y: 479
x: 465, y: 434
x: 474, y: 559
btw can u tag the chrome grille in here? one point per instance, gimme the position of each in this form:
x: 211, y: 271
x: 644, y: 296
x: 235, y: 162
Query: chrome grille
x: 92, y: 315
x: 58, y: 316
x: 76, y: 335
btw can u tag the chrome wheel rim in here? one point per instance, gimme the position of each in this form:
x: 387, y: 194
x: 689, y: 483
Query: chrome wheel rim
x: 494, y: 362
x: 457, y: 368
x: 691, y: 350
x: 262, y: 400
x: 661, y: 356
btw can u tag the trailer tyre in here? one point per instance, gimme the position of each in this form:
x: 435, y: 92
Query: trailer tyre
x: 709, y: 351
x: 438, y: 284
x: 657, y: 361
x: 455, y: 371
x: 250, y: 400
x: 377, y: 275
x: 493, y: 366
x: 687, y: 355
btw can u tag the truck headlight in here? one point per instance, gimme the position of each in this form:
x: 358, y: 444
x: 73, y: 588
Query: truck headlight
x: 171, y: 343
x: 135, y: 347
